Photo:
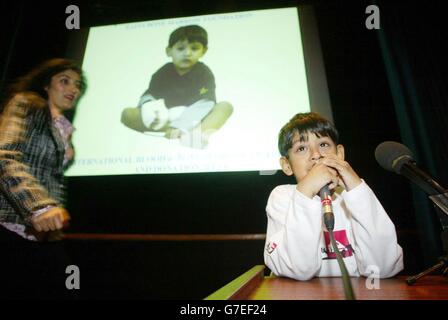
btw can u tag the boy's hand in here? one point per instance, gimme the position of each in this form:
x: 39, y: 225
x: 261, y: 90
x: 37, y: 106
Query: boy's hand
x: 154, y: 114
x: 348, y: 177
x: 319, y: 176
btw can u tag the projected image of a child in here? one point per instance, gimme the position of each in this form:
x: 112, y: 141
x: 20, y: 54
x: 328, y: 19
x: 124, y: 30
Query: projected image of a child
x: 180, y: 102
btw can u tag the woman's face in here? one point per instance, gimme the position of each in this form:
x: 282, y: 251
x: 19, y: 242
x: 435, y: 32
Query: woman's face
x: 63, y: 91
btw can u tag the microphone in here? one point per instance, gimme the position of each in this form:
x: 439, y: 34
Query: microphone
x: 327, y: 208
x: 395, y: 157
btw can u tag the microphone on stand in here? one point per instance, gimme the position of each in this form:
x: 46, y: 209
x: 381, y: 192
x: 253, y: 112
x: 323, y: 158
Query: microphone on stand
x: 327, y: 207
x: 395, y: 157
x: 327, y: 211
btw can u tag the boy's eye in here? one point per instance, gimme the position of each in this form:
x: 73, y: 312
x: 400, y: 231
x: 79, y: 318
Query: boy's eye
x: 301, y: 149
x: 324, y: 144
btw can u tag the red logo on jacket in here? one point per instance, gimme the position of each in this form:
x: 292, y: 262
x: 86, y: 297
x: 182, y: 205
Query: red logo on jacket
x: 271, y: 247
x: 344, y: 247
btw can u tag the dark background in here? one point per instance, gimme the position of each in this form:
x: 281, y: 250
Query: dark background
x: 404, y: 102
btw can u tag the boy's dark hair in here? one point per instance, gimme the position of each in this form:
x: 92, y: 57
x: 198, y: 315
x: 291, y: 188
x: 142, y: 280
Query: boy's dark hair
x: 304, y: 123
x: 191, y: 33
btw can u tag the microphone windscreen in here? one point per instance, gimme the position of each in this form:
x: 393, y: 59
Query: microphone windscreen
x: 392, y: 155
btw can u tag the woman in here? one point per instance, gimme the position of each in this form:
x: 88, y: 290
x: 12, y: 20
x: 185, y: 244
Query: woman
x: 35, y: 149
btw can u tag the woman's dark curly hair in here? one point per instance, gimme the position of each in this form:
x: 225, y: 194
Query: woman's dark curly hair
x: 39, y: 78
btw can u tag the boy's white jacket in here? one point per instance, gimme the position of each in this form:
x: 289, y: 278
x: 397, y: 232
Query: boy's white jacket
x: 297, y: 241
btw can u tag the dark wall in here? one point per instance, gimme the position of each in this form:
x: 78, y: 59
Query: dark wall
x: 221, y: 202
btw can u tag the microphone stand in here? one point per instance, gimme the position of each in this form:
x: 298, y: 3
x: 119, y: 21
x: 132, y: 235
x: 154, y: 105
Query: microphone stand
x: 348, y: 289
x: 328, y: 216
x: 441, y: 203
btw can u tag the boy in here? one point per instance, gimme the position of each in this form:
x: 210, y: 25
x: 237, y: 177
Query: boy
x: 181, y: 97
x: 297, y: 243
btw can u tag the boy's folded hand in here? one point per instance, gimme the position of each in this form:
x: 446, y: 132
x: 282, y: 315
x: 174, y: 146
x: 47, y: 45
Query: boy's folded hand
x: 319, y: 176
x: 348, y: 176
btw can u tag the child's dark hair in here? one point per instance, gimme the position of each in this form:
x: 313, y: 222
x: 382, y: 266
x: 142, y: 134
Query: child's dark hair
x: 304, y: 123
x: 191, y: 33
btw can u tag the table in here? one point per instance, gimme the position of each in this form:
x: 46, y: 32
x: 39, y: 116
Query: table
x: 253, y: 285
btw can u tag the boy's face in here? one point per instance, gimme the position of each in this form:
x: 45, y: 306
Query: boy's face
x: 185, y: 54
x: 303, y: 155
